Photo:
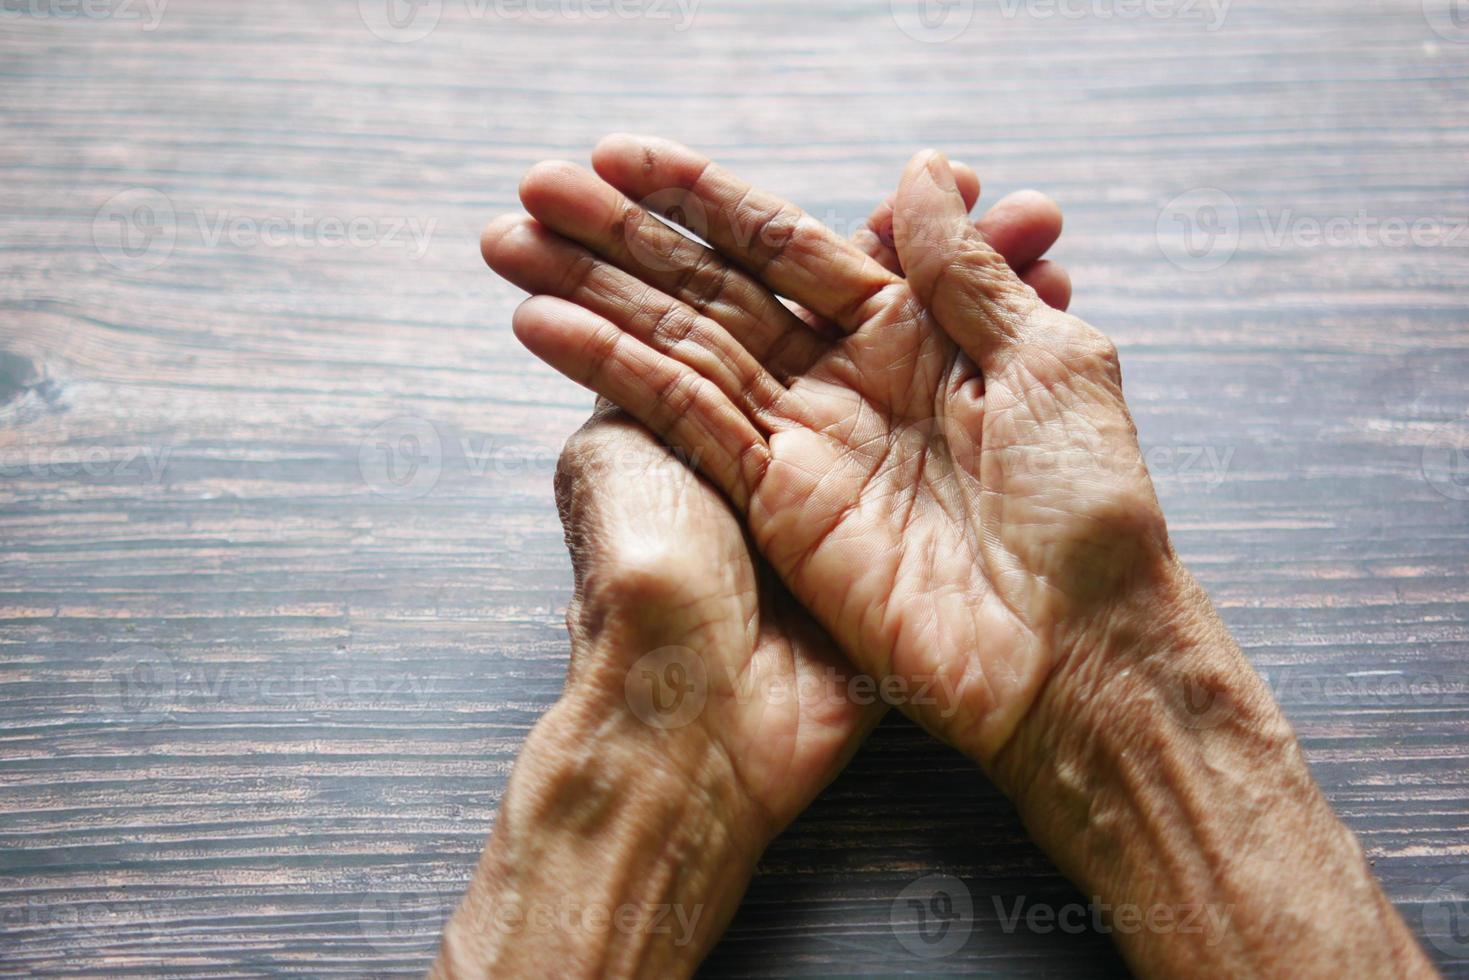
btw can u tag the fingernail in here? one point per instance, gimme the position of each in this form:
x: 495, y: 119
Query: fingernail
x: 939, y: 172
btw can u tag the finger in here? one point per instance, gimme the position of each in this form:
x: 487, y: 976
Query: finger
x: 1051, y: 282
x: 966, y: 284
x: 688, y: 411
x: 543, y: 263
x: 1022, y: 227
x: 876, y: 236
x: 577, y: 205
x: 791, y: 252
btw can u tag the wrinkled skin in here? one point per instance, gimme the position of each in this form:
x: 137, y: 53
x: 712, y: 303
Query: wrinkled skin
x: 662, y: 559
x: 958, y: 529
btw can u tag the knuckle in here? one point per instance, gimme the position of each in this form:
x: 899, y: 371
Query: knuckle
x: 982, y: 263
x: 707, y: 282
x: 577, y: 275
x: 671, y: 327
x: 642, y: 577
x: 689, y: 273
x: 1096, y: 353
x: 677, y: 394
x: 772, y: 232
x: 1081, y: 347
x: 574, y: 467
x: 973, y: 281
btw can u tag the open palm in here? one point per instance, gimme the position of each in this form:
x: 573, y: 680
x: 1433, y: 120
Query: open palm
x: 943, y: 471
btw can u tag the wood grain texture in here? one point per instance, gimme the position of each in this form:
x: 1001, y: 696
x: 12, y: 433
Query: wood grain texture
x: 258, y: 702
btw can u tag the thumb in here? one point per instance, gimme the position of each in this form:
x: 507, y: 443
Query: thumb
x: 968, y: 287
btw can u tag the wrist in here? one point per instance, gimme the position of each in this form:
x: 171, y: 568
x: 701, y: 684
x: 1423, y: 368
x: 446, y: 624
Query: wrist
x: 1164, y: 780
x: 1159, y: 662
x: 1158, y: 687
x: 612, y: 853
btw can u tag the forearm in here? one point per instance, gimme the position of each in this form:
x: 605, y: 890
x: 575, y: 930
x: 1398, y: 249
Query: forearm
x: 1164, y: 780
x: 616, y: 852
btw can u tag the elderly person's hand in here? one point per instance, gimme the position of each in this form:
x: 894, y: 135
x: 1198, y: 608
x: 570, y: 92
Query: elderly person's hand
x: 961, y: 508
x: 948, y: 478
x: 703, y: 710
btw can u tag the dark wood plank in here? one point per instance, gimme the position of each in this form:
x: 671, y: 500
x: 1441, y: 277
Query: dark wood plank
x: 341, y: 677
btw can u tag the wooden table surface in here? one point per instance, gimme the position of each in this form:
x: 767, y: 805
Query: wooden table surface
x: 260, y: 691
